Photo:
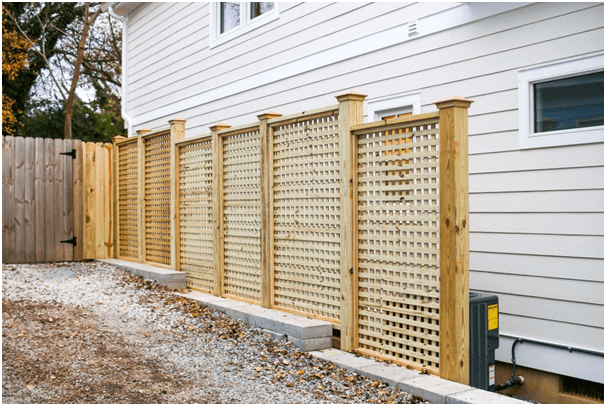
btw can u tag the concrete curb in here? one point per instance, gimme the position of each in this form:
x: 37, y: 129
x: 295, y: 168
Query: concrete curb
x: 165, y: 277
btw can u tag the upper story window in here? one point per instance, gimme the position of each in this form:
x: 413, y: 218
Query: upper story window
x: 562, y: 104
x: 232, y: 19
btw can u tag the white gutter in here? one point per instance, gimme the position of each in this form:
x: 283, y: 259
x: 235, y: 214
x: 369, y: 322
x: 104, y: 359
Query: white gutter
x: 128, y: 120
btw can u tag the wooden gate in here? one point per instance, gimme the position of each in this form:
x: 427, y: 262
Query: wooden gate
x: 53, y: 197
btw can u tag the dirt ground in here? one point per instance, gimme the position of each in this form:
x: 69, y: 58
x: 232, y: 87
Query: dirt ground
x: 90, y: 333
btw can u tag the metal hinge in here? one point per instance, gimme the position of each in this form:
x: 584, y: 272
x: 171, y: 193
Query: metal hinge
x: 72, y: 154
x: 73, y: 241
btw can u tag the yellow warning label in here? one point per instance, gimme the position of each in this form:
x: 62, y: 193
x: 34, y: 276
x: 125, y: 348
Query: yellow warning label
x: 493, y: 317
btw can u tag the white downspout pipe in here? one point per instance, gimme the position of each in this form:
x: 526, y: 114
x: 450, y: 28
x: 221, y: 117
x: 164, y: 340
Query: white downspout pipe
x: 125, y: 116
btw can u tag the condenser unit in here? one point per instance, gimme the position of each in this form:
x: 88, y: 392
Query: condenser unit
x: 483, y: 339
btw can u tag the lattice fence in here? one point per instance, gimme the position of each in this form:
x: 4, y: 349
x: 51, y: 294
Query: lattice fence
x: 306, y: 216
x: 242, y: 215
x: 157, y: 199
x: 128, y: 195
x: 196, y: 214
x: 398, y: 243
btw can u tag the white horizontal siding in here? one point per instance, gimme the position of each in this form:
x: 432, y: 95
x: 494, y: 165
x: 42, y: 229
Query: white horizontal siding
x: 536, y: 216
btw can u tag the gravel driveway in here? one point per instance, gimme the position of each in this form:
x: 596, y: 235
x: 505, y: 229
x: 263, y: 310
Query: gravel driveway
x: 87, y: 332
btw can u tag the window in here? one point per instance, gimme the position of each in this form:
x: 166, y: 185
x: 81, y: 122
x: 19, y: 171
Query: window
x: 394, y: 105
x: 562, y: 104
x: 232, y: 19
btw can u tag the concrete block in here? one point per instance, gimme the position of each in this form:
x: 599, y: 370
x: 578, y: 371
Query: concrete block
x: 390, y: 374
x: 431, y: 388
x: 479, y: 396
x: 351, y: 362
x: 312, y: 344
x: 290, y: 325
x: 164, y: 277
x: 327, y: 355
x: 277, y: 336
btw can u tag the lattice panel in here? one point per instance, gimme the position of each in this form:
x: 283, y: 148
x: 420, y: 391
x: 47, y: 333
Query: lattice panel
x: 398, y: 244
x: 157, y: 199
x: 128, y: 194
x: 242, y: 216
x: 196, y: 214
x: 306, y: 217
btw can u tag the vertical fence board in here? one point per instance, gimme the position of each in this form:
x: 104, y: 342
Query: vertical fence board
x: 98, y: 202
x: 8, y: 202
x: 30, y: 214
x: 108, y: 211
x: 78, y: 200
x: 19, y: 200
x: 49, y: 198
x: 40, y: 198
x: 89, y: 200
x: 59, y: 201
x: 68, y: 200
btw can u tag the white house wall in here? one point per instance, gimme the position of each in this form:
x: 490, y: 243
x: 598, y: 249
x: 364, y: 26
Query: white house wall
x: 537, y: 215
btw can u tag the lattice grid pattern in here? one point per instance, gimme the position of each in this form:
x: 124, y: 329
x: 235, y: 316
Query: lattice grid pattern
x: 306, y: 217
x: 128, y: 191
x: 398, y: 244
x: 242, y: 216
x: 157, y: 199
x: 196, y: 214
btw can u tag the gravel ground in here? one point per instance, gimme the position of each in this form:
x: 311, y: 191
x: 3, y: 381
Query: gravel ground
x: 91, y: 333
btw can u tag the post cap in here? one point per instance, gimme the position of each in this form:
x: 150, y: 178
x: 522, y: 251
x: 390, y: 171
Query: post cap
x: 268, y: 115
x: 118, y: 138
x: 177, y: 120
x: 453, y: 101
x: 219, y: 127
x: 143, y: 130
x: 351, y: 96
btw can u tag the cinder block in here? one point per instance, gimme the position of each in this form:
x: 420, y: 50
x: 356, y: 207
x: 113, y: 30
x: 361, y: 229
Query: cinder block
x: 390, y: 374
x: 431, y: 388
x: 479, y: 396
x: 312, y: 344
x: 290, y: 325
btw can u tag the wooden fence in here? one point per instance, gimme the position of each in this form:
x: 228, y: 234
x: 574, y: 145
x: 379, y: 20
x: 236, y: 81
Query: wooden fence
x: 54, y: 191
x: 318, y: 214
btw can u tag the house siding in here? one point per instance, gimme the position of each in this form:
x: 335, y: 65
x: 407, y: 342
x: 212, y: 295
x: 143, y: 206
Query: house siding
x: 536, y: 216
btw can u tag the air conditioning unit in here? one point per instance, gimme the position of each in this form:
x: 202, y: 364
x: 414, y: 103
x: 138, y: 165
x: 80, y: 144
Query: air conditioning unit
x: 483, y: 339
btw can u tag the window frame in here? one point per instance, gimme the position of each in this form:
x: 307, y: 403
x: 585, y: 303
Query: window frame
x: 527, y: 78
x: 246, y: 23
x: 394, y: 104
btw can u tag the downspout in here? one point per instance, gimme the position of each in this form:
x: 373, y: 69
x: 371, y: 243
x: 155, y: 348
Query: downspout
x: 125, y: 116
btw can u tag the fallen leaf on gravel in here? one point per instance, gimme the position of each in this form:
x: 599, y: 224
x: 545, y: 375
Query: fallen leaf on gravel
x: 350, y: 379
x: 375, y: 384
x: 301, y: 372
x: 258, y: 369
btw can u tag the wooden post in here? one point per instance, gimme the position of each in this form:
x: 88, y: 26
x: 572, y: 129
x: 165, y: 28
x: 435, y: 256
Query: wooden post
x: 116, y: 192
x: 218, y: 207
x: 78, y: 199
x: 351, y: 112
x: 177, y: 132
x: 266, y: 171
x: 454, y: 240
x: 141, y: 190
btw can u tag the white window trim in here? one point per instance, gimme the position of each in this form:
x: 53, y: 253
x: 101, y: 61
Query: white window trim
x: 393, y: 105
x: 246, y: 24
x: 528, y: 77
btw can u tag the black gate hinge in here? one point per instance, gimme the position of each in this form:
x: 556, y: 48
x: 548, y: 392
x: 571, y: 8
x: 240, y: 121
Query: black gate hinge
x: 73, y: 241
x: 72, y: 154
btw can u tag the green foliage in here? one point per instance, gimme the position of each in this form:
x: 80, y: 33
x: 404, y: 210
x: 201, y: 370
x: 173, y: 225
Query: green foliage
x: 87, y: 125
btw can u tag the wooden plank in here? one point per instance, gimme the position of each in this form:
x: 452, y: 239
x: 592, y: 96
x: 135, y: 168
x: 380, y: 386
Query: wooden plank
x: 89, y: 183
x: 177, y: 132
x: 49, y: 198
x: 141, y: 197
x: 108, y: 206
x: 59, y: 200
x: 8, y: 203
x: 29, y: 201
x: 454, y: 240
x: 351, y: 113
x: 68, y: 202
x: 78, y: 216
x: 40, y: 199
x: 19, y: 208
x: 218, y: 255
x: 99, y: 202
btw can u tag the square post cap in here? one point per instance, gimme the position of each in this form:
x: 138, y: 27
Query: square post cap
x: 351, y: 96
x: 177, y: 120
x: 453, y: 101
x: 219, y: 127
x: 118, y: 138
x: 268, y: 115
x: 142, y: 131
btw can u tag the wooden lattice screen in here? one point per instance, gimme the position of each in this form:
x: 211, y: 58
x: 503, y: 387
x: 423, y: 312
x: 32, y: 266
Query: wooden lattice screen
x: 157, y: 199
x: 128, y: 196
x: 306, y: 217
x: 398, y: 243
x: 196, y: 214
x: 242, y: 215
